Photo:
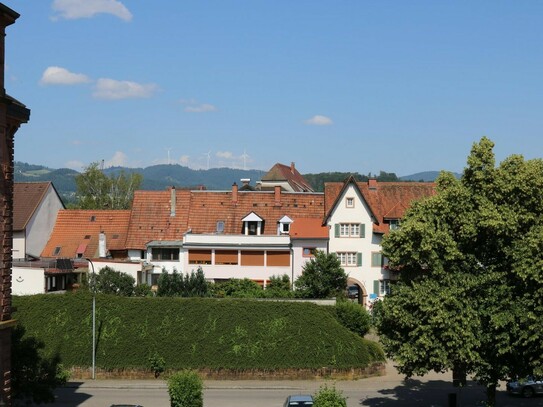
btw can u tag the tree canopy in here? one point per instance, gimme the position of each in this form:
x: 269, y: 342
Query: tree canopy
x: 95, y: 190
x: 322, y: 277
x: 470, y: 291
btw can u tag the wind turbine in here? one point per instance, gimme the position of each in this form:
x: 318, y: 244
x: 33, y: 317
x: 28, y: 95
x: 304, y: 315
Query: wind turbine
x: 208, y: 157
x: 244, y: 156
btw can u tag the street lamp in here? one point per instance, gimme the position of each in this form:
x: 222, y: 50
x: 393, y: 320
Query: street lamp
x: 93, y: 319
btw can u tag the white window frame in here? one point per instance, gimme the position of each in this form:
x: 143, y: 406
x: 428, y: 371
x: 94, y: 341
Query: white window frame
x: 384, y: 287
x: 347, y: 259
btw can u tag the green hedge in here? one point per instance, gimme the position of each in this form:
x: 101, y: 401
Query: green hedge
x: 192, y: 333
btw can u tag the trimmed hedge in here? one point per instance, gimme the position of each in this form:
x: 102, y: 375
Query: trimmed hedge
x: 192, y: 333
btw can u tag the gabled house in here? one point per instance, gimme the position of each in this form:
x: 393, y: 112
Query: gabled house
x: 358, y: 215
x: 287, y: 177
x: 35, y: 208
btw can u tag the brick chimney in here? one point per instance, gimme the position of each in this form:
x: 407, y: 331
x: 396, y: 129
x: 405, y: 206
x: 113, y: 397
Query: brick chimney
x: 277, y: 195
x: 234, y: 193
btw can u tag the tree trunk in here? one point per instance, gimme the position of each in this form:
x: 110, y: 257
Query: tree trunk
x: 491, y: 394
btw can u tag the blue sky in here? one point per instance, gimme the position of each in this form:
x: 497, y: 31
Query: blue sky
x: 359, y: 86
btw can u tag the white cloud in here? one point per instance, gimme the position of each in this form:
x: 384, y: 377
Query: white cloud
x: 55, y: 75
x: 319, y: 120
x: 74, y: 9
x: 115, y: 90
x: 204, y: 107
x: 119, y: 159
x: 75, y: 165
x: 193, y: 106
x: 224, y: 154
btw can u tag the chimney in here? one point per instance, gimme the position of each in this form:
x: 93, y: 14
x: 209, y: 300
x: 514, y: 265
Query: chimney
x: 292, y: 167
x: 102, y: 245
x: 277, y: 195
x: 372, y: 183
x: 234, y: 193
x: 172, y: 202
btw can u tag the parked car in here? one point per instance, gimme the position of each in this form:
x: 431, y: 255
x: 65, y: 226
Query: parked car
x: 299, y: 400
x: 526, y: 387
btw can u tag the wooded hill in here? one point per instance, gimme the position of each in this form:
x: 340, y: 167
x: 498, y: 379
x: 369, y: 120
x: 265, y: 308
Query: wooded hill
x: 159, y: 177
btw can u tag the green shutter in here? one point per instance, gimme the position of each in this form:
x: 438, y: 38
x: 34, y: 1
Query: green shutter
x: 376, y: 287
x: 359, y: 259
x: 362, y: 230
x: 336, y: 229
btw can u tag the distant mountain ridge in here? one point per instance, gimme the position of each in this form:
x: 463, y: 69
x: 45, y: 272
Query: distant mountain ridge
x: 158, y: 177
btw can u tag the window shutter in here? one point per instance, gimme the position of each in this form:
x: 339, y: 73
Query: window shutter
x: 362, y: 230
x: 376, y: 287
x: 359, y: 259
x: 336, y: 229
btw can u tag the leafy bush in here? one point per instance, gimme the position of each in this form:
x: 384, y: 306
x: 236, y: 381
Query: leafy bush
x: 177, y: 285
x: 157, y: 363
x: 109, y: 281
x: 238, y: 288
x: 329, y: 397
x: 185, y: 389
x: 143, y: 290
x: 354, y: 317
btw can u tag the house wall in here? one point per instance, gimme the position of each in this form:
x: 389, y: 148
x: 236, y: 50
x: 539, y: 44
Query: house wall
x: 41, y: 224
x: 298, y: 246
x: 359, y: 213
x: 19, y: 248
x: 28, y: 280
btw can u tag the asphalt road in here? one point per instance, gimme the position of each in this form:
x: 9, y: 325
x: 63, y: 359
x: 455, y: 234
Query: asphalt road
x: 386, y: 391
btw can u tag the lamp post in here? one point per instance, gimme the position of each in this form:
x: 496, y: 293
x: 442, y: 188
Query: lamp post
x: 93, y: 319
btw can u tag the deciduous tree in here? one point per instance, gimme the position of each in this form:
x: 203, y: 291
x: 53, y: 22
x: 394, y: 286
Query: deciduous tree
x: 322, y: 277
x: 95, y: 190
x: 470, y: 293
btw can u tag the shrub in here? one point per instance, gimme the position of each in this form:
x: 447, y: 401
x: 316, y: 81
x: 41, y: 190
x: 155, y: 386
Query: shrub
x: 329, y: 397
x: 239, y: 288
x: 158, y: 364
x: 185, y: 389
x: 110, y: 281
x: 353, y: 317
x: 143, y: 290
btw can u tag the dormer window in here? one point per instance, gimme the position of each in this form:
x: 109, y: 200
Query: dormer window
x: 252, y: 224
x: 283, y: 226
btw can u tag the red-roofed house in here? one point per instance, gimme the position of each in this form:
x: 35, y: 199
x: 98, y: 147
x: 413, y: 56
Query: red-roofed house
x: 35, y: 208
x: 230, y: 234
x: 287, y: 177
x: 359, y: 214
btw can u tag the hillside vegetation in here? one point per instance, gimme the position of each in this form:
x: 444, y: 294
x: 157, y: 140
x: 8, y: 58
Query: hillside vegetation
x: 195, y: 333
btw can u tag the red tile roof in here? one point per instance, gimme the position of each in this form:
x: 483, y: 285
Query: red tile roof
x: 200, y: 211
x: 308, y: 228
x: 281, y: 172
x: 78, y: 231
x: 387, y: 200
x: 26, y: 198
